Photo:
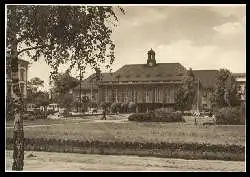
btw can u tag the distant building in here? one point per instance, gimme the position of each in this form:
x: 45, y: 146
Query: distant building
x: 241, y: 84
x: 22, y: 74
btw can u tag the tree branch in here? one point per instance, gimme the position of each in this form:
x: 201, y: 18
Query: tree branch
x: 32, y: 48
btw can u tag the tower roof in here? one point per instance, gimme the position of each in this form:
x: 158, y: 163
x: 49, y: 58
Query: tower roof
x: 151, y: 51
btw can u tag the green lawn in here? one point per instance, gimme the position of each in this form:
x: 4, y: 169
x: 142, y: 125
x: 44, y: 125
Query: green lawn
x: 140, y: 132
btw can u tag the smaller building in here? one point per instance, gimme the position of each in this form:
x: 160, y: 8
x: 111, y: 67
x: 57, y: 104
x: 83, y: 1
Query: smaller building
x: 241, y: 84
x: 22, y: 75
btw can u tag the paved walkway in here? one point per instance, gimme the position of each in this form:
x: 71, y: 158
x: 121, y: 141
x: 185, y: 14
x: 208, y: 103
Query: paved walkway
x: 48, y: 161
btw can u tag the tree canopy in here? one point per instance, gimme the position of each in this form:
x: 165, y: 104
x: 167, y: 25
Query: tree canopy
x: 77, y: 35
x: 185, y: 95
x: 63, y: 82
x: 34, y: 84
x: 225, y: 93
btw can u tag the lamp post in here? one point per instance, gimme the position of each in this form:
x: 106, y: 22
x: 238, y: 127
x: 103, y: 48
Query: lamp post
x: 80, y: 91
x: 197, y: 108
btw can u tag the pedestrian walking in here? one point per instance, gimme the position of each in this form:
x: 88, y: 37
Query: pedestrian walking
x: 104, y: 113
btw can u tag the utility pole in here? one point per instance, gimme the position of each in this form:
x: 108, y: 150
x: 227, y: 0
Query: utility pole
x: 195, y: 121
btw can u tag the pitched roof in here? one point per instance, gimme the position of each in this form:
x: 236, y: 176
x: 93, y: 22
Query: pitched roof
x: 143, y: 72
x: 206, y: 77
x: 86, y: 83
x: 239, y: 74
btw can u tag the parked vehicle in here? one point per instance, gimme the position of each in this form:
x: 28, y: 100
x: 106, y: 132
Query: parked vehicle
x: 93, y: 110
x: 30, y: 107
x: 53, y: 107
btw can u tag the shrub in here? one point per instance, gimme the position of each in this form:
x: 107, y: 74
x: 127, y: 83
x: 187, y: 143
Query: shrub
x: 124, y: 107
x: 104, y: 104
x: 132, y: 107
x: 115, y: 107
x: 228, y: 116
x: 156, y: 117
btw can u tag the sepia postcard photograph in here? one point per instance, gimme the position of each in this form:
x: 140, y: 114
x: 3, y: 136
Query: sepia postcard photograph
x: 125, y: 87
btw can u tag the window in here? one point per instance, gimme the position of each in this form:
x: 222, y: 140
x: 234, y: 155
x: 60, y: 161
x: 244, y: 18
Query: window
x: 172, y: 93
x: 110, y: 95
x: 169, y: 95
x: 22, y: 71
x: 106, y: 94
x: 8, y: 90
x: 147, y: 95
x: 8, y: 73
x: 126, y: 95
x: 22, y: 88
x: 157, y: 95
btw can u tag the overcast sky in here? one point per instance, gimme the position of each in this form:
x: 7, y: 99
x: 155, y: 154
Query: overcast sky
x: 200, y: 37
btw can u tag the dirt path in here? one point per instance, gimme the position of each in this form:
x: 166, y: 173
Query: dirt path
x: 46, y: 161
x: 80, y: 121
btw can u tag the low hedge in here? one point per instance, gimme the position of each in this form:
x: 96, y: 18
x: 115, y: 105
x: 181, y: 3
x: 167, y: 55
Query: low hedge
x: 228, y: 116
x: 126, y: 144
x: 156, y: 117
x: 115, y: 107
x: 161, y: 149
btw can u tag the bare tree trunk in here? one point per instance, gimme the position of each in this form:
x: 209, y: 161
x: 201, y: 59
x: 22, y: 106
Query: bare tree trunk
x: 18, y: 135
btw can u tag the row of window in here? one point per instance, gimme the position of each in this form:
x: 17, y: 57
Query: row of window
x: 150, y: 95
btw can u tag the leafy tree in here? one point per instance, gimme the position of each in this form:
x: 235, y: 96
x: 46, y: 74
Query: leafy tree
x: 32, y: 88
x: 63, y: 83
x: 41, y: 98
x: 185, y: 95
x: 78, y: 35
x: 225, y: 93
x: 34, y: 84
x: 66, y: 100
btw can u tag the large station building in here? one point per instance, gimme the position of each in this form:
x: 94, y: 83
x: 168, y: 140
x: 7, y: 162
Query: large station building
x: 149, y: 85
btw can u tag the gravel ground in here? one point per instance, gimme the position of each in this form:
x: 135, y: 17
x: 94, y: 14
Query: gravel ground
x: 48, y: 161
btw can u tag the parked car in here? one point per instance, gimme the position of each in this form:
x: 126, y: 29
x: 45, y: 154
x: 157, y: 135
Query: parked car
x: 61, y: 110
x: 53, y: 107
x: 93, y: 110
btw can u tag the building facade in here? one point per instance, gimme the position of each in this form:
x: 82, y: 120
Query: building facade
x: 241, y: 84
x: 150, y: 85
x: 22, y: 75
